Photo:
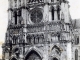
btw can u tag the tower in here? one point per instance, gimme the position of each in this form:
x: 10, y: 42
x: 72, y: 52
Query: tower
x: 39, y: 30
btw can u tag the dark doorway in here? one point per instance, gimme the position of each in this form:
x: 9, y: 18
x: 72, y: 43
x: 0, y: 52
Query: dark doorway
x: 13, y: 59
x: 33, y: 56
x: 55, y: 59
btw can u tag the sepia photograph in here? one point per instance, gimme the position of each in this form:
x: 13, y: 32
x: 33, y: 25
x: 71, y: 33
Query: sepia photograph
x: 39, y: 30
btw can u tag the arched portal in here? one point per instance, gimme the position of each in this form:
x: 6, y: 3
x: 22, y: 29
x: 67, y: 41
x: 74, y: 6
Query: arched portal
x: 33, y: 55
x: 13, y: 59
x: 55, y: 59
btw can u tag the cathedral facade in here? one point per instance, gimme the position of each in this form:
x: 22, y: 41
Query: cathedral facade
x: 40, y: 30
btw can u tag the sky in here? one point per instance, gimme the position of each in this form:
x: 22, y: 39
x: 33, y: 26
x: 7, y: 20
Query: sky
x: 74, y: 12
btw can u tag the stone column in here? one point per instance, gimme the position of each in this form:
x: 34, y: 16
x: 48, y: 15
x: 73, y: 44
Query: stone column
x: 13, y: 4
x: 24, y: 18
x: 18, y: 19
x: 18, y: 12
x: 22, y: 3
x: 46, y: 12
x: 50, y: 14
x: 10, y: 3
x: 18, y: 3
x: 13, y: 19
x: 69, y: 51
x: 55, y: 13
x: 9, y: 16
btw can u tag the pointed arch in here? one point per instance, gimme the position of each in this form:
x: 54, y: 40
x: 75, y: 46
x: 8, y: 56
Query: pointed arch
x: 33, y: 55
x: 15, y: 49
x: 76, y: 40
x: 57, y: 49
x: 33, y: 51
x: 13, y: 59
x: 15, y: 40
x: 55, y: 58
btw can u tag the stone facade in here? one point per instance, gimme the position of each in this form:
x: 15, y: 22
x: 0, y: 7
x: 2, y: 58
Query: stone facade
x: 39, y: 30
x: 76, y: 42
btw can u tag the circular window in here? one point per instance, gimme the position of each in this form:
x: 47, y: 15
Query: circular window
x: 36, y: 15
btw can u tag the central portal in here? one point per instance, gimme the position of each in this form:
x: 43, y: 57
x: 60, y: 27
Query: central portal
x: 55, y: 59
x: 33, y: 56
x: 13, y: 59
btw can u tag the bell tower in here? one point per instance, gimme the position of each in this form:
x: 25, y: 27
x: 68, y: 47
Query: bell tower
x: 15, y: 35
x: 39, y: 30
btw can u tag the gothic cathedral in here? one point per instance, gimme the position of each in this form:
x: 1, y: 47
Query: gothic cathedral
x: 38, y: 30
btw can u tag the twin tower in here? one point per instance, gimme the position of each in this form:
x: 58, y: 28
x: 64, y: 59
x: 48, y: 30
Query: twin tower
x: 38, y: 30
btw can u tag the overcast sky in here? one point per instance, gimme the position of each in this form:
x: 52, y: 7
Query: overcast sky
x: 74, y: 11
